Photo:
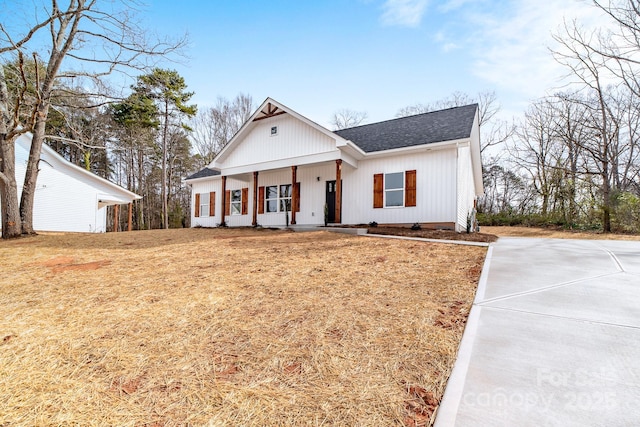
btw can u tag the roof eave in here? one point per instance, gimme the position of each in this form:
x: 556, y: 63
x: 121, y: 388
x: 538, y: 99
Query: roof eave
x: 416, y: 148
x: 350, y: 148
x: 202, y: 178
x: 88, y: 174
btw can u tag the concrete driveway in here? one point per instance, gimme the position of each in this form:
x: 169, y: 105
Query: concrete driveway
x: 553, y: 338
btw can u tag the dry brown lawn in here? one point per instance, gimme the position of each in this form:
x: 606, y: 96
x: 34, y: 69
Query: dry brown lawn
x: 555, y: 233
x: 229, y: 328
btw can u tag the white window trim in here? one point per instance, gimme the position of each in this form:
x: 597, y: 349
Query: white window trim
x: 266, y: 200
x: 280, y: 199
x: 236, y: 202
x: 277, y: 199
x: 385, y: 189
x: 204, y: 207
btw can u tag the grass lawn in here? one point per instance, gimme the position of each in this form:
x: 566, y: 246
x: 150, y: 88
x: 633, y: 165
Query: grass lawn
x: 229, y: 328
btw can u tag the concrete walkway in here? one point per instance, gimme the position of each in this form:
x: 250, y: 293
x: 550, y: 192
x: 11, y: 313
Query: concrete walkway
x: 553, y: 338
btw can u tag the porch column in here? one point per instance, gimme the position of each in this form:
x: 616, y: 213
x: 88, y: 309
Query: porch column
x: 224, y: 202
x: 338, y: 218
x: 130, y: 222
x: 255, y: 199
x: 115, y: 218
x: 294, y: 193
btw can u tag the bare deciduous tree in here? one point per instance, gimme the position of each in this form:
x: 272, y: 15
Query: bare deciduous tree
x: 590, y: 68
x: 214, y: 127
x: 97, y: 38
x: 345, y: 118
x: 494, y: 131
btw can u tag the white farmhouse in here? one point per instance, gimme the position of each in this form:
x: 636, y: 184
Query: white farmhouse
x: 422, y: 169
x: 68, y: 197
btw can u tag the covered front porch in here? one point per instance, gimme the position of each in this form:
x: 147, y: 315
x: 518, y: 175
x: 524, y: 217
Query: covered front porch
x: 305, y: 194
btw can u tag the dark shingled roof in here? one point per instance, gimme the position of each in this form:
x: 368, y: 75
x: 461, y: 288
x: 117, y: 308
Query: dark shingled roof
x: 204, y: 173
x: 436, y: 126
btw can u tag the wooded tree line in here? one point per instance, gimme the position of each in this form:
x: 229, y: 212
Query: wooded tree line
x: 574, y: 159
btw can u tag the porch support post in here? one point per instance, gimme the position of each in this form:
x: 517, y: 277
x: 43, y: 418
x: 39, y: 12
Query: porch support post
x: 338, y: 216
x: 223, y: 221
x: 255, y: 199
x: 294, y: 193
x: 115, y: 218
x: 130, y: 222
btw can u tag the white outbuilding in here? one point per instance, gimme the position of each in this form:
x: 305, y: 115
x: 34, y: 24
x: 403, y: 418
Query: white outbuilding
x: 282, y: 167
x: 68, y: 197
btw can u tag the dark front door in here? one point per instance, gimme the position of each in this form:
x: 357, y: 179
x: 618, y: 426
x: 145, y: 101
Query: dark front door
x: 331, y: 201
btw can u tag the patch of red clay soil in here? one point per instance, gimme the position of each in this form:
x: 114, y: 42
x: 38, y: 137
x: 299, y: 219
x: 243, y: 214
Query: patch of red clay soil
x: 54, y: 262
x: 63, y: 263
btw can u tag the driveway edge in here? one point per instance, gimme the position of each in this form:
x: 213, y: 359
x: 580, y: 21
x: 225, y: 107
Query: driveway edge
x: 448, y: 410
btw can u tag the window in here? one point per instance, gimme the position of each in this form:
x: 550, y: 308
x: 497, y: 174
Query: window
x: 204, y: 204
x: 271, y: 198
x: 394, y: 189
x: 274, y: 130
x: 285, y: 198
x: 277, y: 198
x: 236, y: 202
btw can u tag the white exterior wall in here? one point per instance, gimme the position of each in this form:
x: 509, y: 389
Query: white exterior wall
x: 206, y: 186
x: 313, y: 192
x: 465, y: 188
x: 435, y: 189
x: 239, y: 220
x: 62, y: 203
x: 66, y: 199
x: 294, y: 139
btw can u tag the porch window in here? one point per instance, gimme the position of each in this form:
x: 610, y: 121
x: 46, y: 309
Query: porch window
x: 394, y: 189
x: 271, y: 198
x: 285, y: 198
x: 236, y: 202
x: 204, y: 204
x: 277, y: 198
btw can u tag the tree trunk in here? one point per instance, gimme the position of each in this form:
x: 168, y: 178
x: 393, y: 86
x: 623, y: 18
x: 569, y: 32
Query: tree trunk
x: 140, y: 202
x: 165, y: 210
x: 11, y: 225
x: 31, y: 175
x: 9, y: 209
x: 606, y: 202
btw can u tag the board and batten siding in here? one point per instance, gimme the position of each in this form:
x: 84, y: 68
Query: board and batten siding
x: 294, y: 139
x: 312, y: 193
x: 63, y: 203
x: 65, y: 199
x: 465, y: 188
x: 435, y: 189
x: 247, y: 190
x: 206, y: 186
